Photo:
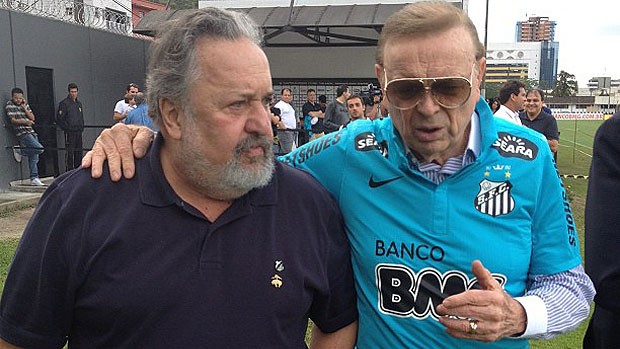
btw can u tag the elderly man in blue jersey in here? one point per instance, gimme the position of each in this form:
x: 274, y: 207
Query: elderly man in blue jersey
x: 461, y: 231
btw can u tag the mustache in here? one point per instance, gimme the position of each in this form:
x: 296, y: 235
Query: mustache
x: 254, y: 140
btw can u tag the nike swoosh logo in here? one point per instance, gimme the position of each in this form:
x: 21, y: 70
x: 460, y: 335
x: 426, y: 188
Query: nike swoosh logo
x: 376, y: 184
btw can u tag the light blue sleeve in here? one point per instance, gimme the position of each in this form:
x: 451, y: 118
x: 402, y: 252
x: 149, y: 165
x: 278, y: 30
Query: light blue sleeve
x: 555, y: 244
x: 324, y: 158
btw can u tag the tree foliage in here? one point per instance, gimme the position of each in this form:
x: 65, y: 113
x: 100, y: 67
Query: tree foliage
x: 566, y: 85
x: 531, y: 84
x: 492, y: 89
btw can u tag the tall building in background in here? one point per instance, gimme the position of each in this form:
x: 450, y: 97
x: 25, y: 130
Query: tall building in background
x: 536, y: 29
x: 541, y: 29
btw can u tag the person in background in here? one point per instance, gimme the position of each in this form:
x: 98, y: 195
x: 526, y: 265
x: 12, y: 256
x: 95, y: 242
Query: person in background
x: 276, y: 124
x: 140, y: 115
x: 373, y: 109
x: 426, y: 192
x: 336, y: 114
x: 22, y: 119
x: 536, y: 119
x: 287, y: 115
x: 602, y: 236
x: 70, y: 118
x: 124, y: 106
x: 318, y: 128
x: 312, y: 114
x: 356, y: 108
x: 494, y: 104
x: 512, y: 99
x: 212, y: 245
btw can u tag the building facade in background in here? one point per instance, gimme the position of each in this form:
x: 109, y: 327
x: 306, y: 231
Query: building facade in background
x: 513, y: 61
x: 536, y: 29
x: 541, y: 29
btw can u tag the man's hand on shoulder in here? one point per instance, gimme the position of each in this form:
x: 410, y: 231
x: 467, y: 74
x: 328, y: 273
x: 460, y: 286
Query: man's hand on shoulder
x: 119, y: 145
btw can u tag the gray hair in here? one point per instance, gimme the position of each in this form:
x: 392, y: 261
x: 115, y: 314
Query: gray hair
x: 139, y: 98
x: 426, y: 18
x: 173, y: 65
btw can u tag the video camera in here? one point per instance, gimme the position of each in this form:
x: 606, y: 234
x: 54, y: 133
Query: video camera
x: 369, y: 94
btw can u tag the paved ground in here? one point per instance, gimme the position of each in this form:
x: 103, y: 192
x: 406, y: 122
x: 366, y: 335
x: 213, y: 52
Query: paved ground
x: 17, y: 206
x: 12, y: 223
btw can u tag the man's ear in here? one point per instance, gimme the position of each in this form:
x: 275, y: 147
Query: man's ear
x: 170, y: 118
x: 482, y: 67
x: 380, y: 75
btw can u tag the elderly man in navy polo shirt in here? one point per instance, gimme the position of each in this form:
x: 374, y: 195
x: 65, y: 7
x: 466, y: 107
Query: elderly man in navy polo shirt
x: 206, y: 247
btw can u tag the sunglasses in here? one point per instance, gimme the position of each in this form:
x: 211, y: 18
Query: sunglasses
x: 449, y: 92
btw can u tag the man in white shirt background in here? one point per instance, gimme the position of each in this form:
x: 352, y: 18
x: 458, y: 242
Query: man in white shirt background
x: 287, y: 136
x: 512, y: 98
x: 124, y: 106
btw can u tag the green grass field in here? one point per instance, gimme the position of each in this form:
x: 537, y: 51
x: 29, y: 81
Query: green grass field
x: 574, y: 158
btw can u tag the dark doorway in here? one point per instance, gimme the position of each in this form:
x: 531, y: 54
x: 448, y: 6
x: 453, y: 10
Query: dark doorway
x: 40, y: 86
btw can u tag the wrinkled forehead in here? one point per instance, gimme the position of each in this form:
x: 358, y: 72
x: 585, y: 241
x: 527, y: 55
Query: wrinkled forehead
x: 439, y: 54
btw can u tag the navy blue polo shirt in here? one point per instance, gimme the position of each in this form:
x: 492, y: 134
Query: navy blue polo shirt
x: 543, y: 123
x: 130, y: 265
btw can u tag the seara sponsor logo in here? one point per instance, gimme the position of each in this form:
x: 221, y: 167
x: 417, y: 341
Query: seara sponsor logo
x: 366, y: 141
x: 515, y: 147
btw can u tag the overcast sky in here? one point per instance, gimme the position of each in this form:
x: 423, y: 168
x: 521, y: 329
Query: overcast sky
x: 588, y: 31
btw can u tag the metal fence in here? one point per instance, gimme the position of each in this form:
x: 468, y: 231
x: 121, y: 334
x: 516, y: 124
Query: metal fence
x: 74, y: 12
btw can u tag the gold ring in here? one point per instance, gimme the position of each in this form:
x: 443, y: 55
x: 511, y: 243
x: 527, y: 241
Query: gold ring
x: 473, y: 326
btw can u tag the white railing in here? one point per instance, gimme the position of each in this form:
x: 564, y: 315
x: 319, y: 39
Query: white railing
x: 74, y: 12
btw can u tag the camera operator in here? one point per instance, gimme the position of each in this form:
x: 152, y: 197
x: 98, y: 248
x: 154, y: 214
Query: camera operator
x: 372, y: 100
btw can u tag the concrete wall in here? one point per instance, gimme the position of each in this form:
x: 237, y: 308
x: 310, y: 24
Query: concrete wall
x: 100, y: 62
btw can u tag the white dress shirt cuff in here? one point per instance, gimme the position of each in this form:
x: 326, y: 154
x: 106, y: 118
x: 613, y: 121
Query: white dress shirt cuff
x: 536, y: 313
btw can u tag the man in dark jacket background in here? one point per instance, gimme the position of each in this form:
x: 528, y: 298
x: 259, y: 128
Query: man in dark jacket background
x: 70, y: 118
x: 602, y: 237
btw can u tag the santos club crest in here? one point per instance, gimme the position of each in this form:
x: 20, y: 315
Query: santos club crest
x: 494, y: 198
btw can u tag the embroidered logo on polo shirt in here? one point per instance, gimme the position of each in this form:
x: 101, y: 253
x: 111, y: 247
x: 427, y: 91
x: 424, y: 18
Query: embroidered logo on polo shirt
x: 494, y: 198
x: 279, y: 266
x: 276, y: 281
x: 515, y: 147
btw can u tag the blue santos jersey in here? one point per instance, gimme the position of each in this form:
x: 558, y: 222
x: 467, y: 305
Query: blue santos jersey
x: 413, y: 240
